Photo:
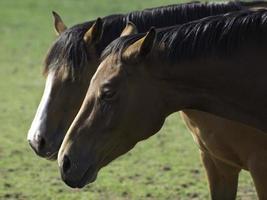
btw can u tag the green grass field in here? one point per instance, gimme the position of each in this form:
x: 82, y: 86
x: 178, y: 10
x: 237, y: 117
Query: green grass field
x: 166, y: 166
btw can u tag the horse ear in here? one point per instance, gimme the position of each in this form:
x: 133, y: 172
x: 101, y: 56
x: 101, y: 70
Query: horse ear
x: 148, y: 42
x: 129, y: 29
x: 142, y: 47
x: 58, y: 23
x: 94, y: 34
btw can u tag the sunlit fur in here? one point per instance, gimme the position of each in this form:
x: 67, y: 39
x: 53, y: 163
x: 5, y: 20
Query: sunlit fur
x: 226, y: 148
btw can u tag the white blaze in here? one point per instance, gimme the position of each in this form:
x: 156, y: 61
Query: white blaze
x: 42, y: 109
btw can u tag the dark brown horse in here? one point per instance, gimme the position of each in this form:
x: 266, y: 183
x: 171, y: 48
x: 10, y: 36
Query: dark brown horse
x: 222, y: 157
x: 74, y: 57
x: 144, y: 78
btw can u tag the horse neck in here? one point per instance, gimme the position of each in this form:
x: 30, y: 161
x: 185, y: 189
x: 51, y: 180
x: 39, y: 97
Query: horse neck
x: 225, y: 87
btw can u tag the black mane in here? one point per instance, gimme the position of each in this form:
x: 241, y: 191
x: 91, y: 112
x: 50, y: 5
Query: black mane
x: 69, y: 50
x: 217, y: 35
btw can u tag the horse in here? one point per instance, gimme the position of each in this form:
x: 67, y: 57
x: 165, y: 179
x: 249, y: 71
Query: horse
x: 73, y: 59
x: 221, y: 158
x: 143, y: 78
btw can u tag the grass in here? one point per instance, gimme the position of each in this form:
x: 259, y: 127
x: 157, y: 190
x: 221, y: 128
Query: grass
x: 166, y: 166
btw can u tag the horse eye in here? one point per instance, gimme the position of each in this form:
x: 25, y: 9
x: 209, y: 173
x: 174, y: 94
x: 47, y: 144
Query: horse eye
x: 108, y: 95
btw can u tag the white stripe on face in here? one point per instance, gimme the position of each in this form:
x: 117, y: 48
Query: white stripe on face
x: 41, y: 112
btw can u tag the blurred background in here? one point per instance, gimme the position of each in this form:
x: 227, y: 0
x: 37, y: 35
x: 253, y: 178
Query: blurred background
x: 166, y: 166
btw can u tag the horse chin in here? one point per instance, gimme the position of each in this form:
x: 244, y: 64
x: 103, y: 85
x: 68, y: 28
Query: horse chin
x: 89, y: 177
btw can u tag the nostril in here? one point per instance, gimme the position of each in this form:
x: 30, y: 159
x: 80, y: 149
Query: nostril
x: 41, y: 143
x: 66, y: 164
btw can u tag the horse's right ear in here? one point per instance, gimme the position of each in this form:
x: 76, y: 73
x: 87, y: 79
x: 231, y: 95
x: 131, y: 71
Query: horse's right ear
x: 142, y: 47
x: 94, y: 34
x: 129, y: 29
x: 58, y: 23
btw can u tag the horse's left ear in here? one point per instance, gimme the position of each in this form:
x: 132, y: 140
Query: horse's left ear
x: 94, y: 34
x: 58, y: 23
x: 142, y: 47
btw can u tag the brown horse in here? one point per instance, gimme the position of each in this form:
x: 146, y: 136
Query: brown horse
x: 216, y: 138
x: 143, y: 79
x: 74, y: 57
